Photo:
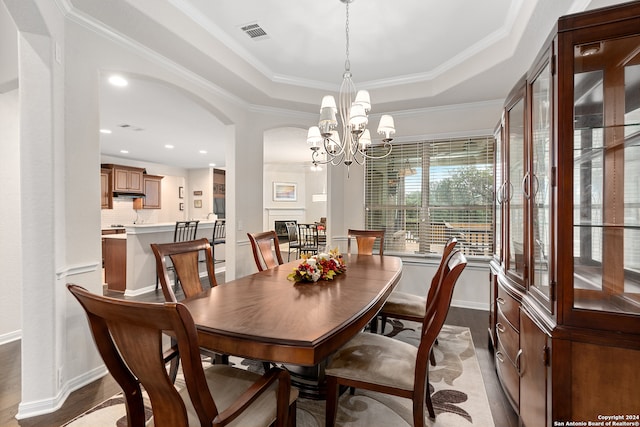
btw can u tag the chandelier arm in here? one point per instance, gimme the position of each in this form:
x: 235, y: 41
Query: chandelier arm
x: 387, y: 146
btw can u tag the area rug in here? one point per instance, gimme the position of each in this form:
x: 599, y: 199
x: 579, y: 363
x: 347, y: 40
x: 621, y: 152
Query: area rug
x: 456, y: 386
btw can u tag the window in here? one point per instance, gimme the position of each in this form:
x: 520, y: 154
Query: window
x: 425, y: 192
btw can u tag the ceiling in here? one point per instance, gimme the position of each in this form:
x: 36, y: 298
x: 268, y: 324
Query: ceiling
x: 410, y: 55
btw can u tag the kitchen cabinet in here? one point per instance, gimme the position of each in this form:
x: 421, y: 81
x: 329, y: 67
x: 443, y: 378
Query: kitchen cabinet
x: 106, y: 190
x: 115, y: 261
x: 152, y: 190
x: 126, y: 179
x: 568, y: 258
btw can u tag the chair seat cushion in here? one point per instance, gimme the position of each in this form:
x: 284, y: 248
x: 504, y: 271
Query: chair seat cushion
x: 226, y: 384
x: 405, y: 304
x: 375, y: 359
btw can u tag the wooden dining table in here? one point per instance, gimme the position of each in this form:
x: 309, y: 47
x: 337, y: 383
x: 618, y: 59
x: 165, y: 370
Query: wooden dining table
x: 266, y: 317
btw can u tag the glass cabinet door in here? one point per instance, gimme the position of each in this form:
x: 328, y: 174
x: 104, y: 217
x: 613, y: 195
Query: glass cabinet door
x: 499, y: 185
x: 606, y: 195
x: 515, y: 258
x: 539, y: 188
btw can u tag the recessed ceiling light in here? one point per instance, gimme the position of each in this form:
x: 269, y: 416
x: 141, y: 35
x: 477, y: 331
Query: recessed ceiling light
x: 118, y: 81
x: 124, y: 151
x: 107, y: 131
x: 203, y: 151
x: 212, y: 164
x: 168, y: 146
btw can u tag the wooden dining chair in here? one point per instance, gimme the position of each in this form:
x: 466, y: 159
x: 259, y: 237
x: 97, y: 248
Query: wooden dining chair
x: 185, y: 261
x: 128, y: 336
x: 365, y: 361
x: 266, y: 249
x: 183, y: 232
x: 366, y: 240
x: 406, y: 306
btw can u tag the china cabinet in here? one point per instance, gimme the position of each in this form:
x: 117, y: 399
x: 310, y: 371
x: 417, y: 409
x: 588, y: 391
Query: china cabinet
x: 565, y: 274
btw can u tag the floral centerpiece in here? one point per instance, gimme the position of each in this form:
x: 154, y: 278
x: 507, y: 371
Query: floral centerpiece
x: 324, y: 266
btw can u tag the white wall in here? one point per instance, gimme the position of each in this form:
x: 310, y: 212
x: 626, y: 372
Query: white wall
x: 10, y: 257
x: 201, y: 181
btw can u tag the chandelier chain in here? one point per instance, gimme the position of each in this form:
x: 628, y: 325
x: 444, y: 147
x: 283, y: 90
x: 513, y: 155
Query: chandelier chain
x: 347, y: 63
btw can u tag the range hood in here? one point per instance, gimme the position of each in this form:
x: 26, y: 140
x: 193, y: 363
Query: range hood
x: 128, y: 195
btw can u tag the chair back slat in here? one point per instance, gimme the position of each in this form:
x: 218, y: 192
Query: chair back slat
x: 366, y: 240
x: 128, y: 335
x: 185, y: 230
x: 185, y: 257
x: 266, y: 249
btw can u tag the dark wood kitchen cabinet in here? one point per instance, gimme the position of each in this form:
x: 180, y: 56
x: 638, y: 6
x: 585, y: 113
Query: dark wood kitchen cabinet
x: 114, y: 253
x: 152, y: 190
x: 106, y: 189
x: 565, y: 322
x: 126, y: 179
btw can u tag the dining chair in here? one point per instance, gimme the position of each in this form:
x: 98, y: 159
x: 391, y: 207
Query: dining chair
x: 128, y: 335
x: 294, y: 241
x: 264, y: 246
x: 185, y: 259
x: 219, y: 237
x: 183, y: 231
x: 366, y: 240
x: 308, y: 235
x: 407, y: 306
x: 365, y: 361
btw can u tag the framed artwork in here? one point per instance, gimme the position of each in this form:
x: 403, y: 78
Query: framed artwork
x: 285, y: 192
x: 197, y: 203
x: 197, y: 193
x: 181, y: 205
x: 181, y: 192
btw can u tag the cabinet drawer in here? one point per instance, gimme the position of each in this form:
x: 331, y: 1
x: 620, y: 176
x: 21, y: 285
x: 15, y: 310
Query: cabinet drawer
x: 508, y: 337
x: 509, y: 307
x: 508, y: 375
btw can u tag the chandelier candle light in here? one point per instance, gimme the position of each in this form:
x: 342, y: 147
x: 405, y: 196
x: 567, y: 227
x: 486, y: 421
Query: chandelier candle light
x: 354, y: 109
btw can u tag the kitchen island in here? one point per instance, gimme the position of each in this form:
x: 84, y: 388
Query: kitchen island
x: 140, y: 261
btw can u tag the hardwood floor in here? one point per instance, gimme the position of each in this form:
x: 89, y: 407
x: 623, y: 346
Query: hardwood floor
x: 98, y: 391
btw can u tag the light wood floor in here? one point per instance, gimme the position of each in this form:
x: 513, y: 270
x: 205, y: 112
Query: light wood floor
x: 100, y: 390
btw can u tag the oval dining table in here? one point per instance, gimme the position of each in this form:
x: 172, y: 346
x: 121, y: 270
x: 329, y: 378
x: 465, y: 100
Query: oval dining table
x: 266, y: 317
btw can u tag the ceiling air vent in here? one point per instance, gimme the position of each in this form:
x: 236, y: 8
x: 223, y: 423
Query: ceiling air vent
x: 254, y: 31
x: 130, y: 127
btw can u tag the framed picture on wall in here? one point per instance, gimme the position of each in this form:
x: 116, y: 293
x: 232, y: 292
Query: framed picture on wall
x: 181, y: 206
x: 181, y: 192
x: 285, y: 192
x: 197, y: 203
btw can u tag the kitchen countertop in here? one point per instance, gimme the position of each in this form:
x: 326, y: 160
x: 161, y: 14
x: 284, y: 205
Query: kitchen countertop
x: 162, y: 227
x: 115, y: 236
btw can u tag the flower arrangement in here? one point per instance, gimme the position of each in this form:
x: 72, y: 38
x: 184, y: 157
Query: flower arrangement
x: 324, y: 266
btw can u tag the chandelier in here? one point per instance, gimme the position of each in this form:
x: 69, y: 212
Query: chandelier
x: 326, y: 143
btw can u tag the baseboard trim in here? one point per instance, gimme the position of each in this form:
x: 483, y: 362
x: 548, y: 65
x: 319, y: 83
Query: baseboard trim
x: 47, y: 406
x: 473, y: 305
